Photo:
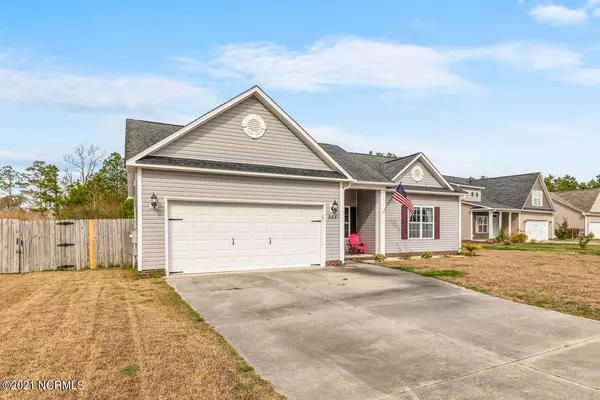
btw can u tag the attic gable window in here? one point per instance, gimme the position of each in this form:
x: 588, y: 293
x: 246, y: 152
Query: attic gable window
x: 537, y: 198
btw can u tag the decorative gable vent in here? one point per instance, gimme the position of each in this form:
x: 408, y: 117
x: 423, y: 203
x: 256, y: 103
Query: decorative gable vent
x: 254, y: 126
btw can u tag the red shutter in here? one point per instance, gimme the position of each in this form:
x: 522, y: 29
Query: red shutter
x: 436, y: 222
x: 404, y: 222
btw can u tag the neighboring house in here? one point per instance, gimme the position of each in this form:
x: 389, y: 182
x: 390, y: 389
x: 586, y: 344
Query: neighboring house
x: 516, y: 203
x: 581, y: 208
x: 245, y: 187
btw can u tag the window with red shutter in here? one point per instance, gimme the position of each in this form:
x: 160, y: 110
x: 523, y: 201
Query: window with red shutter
x: 437, y: 222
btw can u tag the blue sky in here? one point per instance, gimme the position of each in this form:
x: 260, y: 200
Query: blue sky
x: 482, y: 87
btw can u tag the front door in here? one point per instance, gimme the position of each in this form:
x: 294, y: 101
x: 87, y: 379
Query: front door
x: 495, y: 225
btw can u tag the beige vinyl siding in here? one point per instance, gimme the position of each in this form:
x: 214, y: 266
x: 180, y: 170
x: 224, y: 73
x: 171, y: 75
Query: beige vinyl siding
x: 366, y: 218
x: 515, y: 223
x: 538, y: 186
x: 465, y: 222
x: 448, y: 240
x: 195, y: 185
x: 528, y: 216
x: 223, y: 139
x: 428, y: 178
x: 575, y: 218
x: 596, y: 206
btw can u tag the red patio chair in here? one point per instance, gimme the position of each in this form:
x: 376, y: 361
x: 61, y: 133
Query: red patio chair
x: 356, y: 246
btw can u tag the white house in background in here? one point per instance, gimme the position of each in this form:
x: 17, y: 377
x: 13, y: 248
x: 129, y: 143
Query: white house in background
x: 246, y: 187
x: 581, y: 208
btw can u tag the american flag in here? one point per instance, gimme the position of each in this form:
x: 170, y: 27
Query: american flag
x: 401, y: 197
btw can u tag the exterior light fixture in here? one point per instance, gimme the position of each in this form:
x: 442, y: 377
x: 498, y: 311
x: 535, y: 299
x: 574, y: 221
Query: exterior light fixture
x: 334, y: 207
x: 153, y: 201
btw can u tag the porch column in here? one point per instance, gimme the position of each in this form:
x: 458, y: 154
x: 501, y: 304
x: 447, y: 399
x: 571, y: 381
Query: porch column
x: 519, y: 227
x: 491, y: 224
x: 500, y: 221
x: 381, y: 232
x: 342, y: 213
x: 471, y: 229
x: 510, y: 223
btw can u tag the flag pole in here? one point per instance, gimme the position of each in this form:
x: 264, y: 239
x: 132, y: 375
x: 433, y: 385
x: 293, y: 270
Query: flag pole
x: 388, y: 203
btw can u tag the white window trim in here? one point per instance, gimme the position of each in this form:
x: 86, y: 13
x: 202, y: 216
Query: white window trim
x: 487, y: 224
x: 421, y: 223
x: 537, y: 195
x: 349, y: 222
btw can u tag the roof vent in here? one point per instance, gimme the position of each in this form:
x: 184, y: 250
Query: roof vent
x: 254, y: 126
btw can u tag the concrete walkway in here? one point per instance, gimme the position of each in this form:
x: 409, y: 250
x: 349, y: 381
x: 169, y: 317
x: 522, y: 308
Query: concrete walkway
x: 367, y: 332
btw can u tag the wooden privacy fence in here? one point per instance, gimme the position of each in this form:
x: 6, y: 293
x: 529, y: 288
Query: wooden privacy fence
x: 40, y: 245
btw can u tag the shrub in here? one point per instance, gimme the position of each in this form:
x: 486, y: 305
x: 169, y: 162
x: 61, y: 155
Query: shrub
x: 427, y: 254
x: 562, y: 231
x: 378, y: 257
x: 584, y: 240
x: 518, y: 238
x: 501, y: 236
x: 533, y: 241
x: 507, y: 242
x: 470, y: 249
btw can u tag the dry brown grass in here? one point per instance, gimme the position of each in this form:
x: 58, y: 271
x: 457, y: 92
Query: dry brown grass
x: 561, y: 282
x: 23, y: 215
x: 92, y: 325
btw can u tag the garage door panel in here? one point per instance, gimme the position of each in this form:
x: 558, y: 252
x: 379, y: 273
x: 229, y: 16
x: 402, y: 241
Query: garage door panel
x: 594, y: 227
x: 202, y: 241
x: 537, y: 230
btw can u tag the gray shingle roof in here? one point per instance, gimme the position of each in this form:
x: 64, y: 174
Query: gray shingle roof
x: 458, y: 180
x: 139, y: 135
x: 581, y: 200
x: 159, y: 160
x: 408, y: 188
x: 366, y: 167
x: 503, y: 192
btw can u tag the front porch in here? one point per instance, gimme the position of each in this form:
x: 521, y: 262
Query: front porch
x: 487, y: 224
x: 363, y: 216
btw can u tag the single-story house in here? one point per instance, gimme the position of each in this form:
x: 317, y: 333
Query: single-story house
x: 581, y: 208
x: 246, y: 187
x: 515, y: 203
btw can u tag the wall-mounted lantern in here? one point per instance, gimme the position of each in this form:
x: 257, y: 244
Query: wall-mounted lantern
x: 153, y: 201
x: 334, y: 207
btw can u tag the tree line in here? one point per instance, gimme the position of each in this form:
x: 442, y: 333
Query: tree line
x: 568, y: 182
x: 89, y: 186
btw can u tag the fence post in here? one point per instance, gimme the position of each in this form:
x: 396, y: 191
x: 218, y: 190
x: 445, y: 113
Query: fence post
x: 92, y: 244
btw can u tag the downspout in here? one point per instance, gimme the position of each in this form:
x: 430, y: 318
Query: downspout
x: 343, y: 214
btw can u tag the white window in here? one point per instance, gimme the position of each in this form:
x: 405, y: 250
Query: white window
x: 346, y: 222
x: 420, y: 223
x: 537, y: 198
x: 482, y: 224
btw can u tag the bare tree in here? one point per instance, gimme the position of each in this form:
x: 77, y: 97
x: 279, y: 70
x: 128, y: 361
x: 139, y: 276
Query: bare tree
x: 83, y: 161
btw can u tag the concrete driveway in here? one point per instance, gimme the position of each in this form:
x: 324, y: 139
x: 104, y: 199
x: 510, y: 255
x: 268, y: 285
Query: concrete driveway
x: 367, y: 332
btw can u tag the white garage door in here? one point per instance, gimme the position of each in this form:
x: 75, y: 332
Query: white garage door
x: 211, y: 237
x: 595, y: 229
x: 537, y: 230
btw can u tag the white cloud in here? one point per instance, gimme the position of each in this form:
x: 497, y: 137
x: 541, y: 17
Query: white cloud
x: 592, y: 3
x: 344, y: 62
x: 596, y: 13
x: 558, y: 15
x: 536, y: 56
x: 356, y: 62
x: 98, y: 91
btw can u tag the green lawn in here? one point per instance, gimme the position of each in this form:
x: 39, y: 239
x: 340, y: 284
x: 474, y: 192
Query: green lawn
x: 592, y: 250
